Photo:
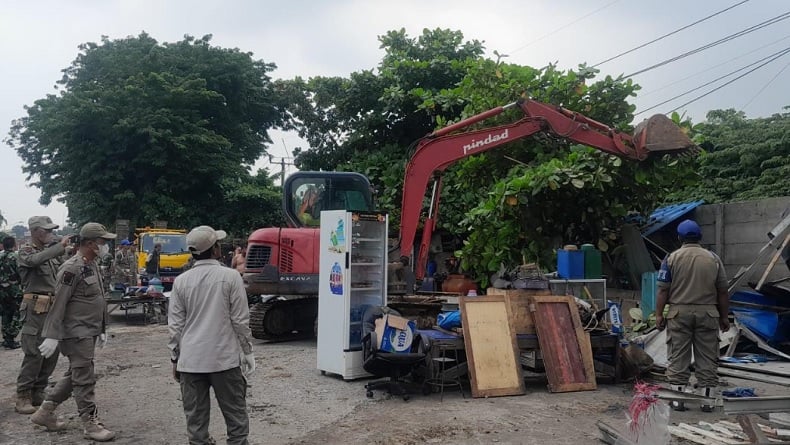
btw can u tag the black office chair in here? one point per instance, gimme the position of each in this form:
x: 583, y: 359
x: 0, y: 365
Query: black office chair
x: 395, y: 366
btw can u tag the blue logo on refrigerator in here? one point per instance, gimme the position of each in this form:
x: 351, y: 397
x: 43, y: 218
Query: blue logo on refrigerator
x: 336, y: 279
x: 341, y: 232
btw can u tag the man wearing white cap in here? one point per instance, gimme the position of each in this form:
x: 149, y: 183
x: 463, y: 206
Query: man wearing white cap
x: 78, y: 319
x: 210, y: 339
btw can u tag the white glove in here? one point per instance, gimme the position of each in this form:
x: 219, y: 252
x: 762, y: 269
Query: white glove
x: 102, y: 340
x: 48, y: 347
x: 248, y: 364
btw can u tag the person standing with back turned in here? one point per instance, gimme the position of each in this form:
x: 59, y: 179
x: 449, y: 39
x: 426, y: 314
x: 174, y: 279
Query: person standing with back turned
x: 693, y: 281
x: 38, y: 264
x: 210, y: 339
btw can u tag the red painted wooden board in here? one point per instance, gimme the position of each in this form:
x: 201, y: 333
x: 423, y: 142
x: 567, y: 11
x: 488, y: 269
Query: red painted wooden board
x: 567, y: 355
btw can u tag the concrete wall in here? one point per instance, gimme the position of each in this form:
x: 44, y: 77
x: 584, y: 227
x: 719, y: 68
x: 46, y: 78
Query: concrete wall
x: 737, y: 231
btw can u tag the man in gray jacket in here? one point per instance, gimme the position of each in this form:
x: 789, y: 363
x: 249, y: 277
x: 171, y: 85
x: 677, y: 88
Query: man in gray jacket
x: 210, y: 339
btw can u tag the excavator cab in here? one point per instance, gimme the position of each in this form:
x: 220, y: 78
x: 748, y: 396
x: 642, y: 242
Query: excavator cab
x: 306, y: 194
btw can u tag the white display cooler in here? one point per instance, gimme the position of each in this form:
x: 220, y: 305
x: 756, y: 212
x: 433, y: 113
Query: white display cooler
x: 353, y: 277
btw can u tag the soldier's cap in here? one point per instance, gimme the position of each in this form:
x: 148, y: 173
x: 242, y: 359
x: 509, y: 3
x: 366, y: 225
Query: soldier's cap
x: 94, y: 230
x: 42, y: 222
x: 202, y: 238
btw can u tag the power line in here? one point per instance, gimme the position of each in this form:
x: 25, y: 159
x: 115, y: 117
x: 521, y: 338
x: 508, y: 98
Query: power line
x: 649, y: 92
x: 751, y: 29
x: 765, y: 86
x: 727, y: 83
x: 565, y: 26
x: 778, y: 53
x: 669, y: 34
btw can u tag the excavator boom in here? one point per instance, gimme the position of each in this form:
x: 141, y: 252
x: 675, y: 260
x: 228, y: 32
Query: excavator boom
x: 657, y: 135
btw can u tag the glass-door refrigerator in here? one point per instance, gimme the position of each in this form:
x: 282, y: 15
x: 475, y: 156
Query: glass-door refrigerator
x: 352, y: 278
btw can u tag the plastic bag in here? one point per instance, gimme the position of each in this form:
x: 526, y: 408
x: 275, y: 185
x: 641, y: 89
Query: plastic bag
x: 648, y: 417
x: 449, y: 320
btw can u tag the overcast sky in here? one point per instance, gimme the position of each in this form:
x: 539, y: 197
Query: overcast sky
x: 334, y: 38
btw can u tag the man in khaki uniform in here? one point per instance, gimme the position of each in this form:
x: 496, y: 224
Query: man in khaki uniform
x: 693, y: 281
x: 77, y: 319
x: 38, y: 264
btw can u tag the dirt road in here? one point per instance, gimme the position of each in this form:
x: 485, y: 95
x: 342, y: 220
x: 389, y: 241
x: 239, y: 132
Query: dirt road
x: 290, y: 402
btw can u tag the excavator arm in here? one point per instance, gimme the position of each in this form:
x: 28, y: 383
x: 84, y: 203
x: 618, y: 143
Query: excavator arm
x: 442, y: 148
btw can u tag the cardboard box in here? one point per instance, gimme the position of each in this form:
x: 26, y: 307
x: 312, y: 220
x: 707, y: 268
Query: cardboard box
x: 394, y: 334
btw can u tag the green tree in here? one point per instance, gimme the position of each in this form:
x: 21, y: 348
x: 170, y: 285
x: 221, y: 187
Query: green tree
x: 745, y: 158
x: 19, y: 231
x: 147, y: 131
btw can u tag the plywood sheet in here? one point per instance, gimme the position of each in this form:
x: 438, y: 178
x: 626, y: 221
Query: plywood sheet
x: 490, y: 343
x: 566, y: 350
x: 519, y: 306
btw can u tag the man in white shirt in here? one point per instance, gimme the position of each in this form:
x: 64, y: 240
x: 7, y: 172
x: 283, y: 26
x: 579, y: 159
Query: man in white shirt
x: 210, y: 339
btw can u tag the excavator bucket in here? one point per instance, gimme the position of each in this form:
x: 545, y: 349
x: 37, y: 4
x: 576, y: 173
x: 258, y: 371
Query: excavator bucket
x: 659, y: 135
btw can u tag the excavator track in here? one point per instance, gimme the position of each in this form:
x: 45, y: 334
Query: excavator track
x: 284, y: 320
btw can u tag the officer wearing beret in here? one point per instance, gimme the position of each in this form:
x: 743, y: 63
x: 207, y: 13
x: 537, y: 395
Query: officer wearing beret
x: 75, y: 322
x: 38, y: 264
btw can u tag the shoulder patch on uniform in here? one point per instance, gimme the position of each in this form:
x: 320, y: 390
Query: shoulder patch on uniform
x: 68, y: 278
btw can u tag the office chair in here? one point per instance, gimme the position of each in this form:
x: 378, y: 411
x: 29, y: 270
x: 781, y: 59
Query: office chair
x: 392, y: 365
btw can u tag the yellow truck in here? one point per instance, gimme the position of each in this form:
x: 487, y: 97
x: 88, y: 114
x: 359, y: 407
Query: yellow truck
x: 174, y: 257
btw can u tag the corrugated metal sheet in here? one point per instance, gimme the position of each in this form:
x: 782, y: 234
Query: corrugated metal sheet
x: 665, y: 215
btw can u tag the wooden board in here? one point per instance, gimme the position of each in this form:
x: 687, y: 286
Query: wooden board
x: 781, y: 369
x: 491, y: 349
x: 519, y: 306
x: 566, y: 350
x: 756, y: 376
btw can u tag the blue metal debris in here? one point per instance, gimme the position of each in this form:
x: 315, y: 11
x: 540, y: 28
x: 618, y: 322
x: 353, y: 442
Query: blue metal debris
x: 665, y: 215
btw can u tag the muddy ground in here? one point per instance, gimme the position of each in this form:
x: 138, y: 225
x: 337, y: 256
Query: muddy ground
x: 290, y: 402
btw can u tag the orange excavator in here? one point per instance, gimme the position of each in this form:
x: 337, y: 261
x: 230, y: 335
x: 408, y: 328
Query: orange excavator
x: 282, y: 263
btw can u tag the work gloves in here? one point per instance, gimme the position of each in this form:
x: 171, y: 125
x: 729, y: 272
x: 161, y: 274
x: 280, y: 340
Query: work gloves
x: 247, y: 364
x: 48, y: 347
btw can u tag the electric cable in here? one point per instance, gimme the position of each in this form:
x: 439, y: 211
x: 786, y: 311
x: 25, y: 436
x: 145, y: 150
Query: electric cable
x: 565, y: 26
x: 741, y: 33
x: 663, y: 87
x: 765, y: 86
x: 778, y: 53
x: 727, y: 83
x: 669, y: 34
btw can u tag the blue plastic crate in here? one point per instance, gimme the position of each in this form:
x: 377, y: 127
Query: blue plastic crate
x: 570, y: 264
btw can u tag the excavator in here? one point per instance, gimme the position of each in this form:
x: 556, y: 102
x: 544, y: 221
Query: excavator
x: 281, y: 275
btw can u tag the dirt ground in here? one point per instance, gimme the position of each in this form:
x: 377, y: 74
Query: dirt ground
x: 290, y: 402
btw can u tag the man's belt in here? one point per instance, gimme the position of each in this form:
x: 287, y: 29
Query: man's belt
x: 41, y: 303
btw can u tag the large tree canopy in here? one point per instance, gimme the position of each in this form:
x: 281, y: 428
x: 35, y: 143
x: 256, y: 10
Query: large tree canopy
x: 512, y: 203
x: 745, y: 158
x: 147, y: 131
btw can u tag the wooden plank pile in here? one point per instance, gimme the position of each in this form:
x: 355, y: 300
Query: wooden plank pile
x: 490, y: 327
x: 726, y: 433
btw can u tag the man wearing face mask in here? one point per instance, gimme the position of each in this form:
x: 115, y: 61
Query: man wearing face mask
x: 75, y: 322
x: 38, y: 264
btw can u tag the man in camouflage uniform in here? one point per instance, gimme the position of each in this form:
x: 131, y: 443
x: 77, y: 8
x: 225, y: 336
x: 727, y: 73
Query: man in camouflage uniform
x: 10, y: 293
x: 125, y: 265
x: 38, y: 264
x: 78, y: 319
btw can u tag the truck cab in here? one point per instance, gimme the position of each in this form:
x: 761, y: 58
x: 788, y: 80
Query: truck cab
x: 174, y: 258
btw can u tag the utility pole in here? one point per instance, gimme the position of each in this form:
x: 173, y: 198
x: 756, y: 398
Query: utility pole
x: 283, y: 161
